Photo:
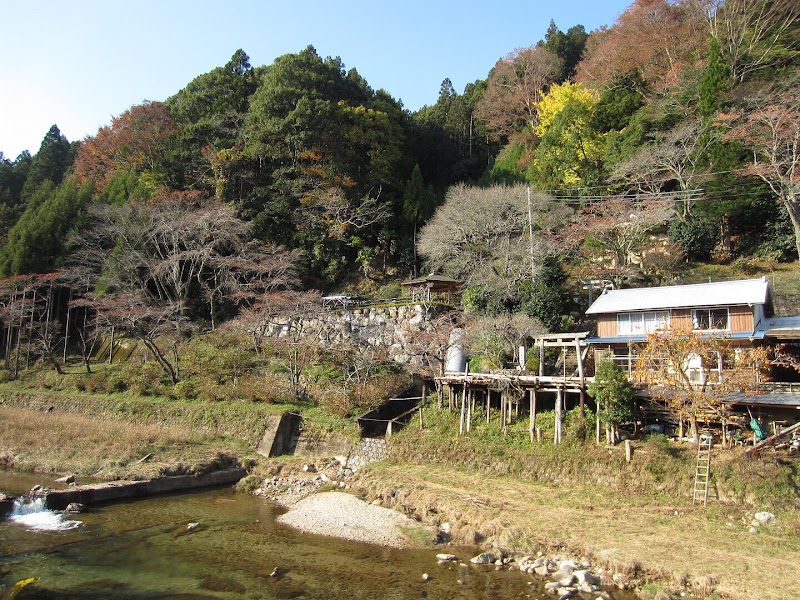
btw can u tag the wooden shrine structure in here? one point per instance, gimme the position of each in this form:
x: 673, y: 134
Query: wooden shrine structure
x: 510, y: 387
x: 433, y: 287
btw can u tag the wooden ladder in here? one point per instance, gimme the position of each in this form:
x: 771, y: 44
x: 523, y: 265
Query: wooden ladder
x: 702, y: 473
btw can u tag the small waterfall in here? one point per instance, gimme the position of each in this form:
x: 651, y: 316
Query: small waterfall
x: 32, y: 514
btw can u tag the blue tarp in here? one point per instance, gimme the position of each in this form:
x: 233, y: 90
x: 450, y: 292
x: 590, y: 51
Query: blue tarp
x: 758, y: 429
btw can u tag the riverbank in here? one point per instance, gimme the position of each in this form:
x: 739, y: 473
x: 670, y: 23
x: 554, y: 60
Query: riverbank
x: 576, y: 501
x: 661, y: 548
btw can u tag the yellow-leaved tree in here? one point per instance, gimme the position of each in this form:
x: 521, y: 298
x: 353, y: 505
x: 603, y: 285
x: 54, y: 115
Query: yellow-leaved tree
x: 570, y: 152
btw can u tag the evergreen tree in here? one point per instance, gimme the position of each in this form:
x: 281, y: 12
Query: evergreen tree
x: 714, y: 82
x: 567, y: 46
x: 50, y: 163
x: 37, y: 242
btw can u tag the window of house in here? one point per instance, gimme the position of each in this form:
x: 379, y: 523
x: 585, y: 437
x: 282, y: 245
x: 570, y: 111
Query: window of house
x: 710, y: 319
x: 641, y: 323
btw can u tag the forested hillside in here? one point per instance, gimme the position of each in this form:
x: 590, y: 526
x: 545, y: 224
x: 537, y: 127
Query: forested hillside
x: 670, y: 137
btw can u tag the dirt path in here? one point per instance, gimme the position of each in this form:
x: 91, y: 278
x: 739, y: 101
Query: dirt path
x: 707, y: 546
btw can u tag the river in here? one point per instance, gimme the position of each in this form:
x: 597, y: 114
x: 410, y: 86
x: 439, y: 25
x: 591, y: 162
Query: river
x: 145, y: 550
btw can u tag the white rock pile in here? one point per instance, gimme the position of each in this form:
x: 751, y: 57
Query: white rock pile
x: 566, y: 577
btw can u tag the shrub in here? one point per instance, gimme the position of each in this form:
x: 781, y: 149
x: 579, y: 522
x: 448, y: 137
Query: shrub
x: 697, y: 238
x: 390, y: 291
x: 116, y: 383
x: 144, y: 379
x: 185, y: 389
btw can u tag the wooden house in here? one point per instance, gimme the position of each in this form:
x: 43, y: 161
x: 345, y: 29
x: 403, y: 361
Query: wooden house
x: 740, y: 311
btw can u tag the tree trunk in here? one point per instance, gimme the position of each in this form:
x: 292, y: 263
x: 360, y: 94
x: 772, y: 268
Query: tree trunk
x: 793, y: 208
x: 161, y: 359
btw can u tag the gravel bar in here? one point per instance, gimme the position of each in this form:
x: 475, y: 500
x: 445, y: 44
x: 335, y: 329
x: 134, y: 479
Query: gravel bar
x: 342, y: 515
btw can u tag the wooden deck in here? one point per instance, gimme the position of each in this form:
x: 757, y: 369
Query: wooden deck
x: 470, y: 389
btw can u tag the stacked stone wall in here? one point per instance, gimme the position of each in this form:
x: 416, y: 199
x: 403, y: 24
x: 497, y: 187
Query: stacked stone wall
x: 390, y: 327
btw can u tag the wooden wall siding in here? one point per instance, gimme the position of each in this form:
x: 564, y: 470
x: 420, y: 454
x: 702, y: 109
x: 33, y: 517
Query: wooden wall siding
x: 681, y: 320
x: 607, y: 325
x: 741, y: 318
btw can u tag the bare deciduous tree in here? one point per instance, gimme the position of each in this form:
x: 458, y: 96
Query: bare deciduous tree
x: 430, y: 347
x: 771, y: 128
x: 672, y: 156
x: 155, y: 260
x: 497, y: 339
x: 613, y: 233
x: 482, y: 235
x: 26, y: 310
x: 753, y: 34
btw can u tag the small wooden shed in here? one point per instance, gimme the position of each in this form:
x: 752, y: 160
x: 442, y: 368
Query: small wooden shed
x: 433, y: 287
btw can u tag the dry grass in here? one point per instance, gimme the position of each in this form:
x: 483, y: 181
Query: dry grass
x: 624, y: 533
x: 54, y: 442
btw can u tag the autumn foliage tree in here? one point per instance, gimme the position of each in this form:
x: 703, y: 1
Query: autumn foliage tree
x: 693, y: 373
x: 137, y: 140
x: 657, y: 38
x: 515, y: 86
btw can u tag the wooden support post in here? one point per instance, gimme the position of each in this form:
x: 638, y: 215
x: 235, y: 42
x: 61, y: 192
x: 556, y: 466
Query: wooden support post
x: 469, y: 411
x: 473, y: 396
x: 532, y: 397
x: 559, y: 400
x: 628, y: 451
x: 539, y: 435
x: 630, y: 361
x: 421, y: 421
x: 463, y: 409
x: 580, y: 374
x: 541, y: 358
x: 487, y: 406
x: 389, y: 429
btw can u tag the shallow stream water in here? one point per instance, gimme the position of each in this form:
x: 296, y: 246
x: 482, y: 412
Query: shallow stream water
x: 143, y: 550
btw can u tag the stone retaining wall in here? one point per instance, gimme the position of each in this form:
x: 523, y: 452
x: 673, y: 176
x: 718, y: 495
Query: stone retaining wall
x: 366, y: 451
x: 351, y: 455
x: 391, y: 327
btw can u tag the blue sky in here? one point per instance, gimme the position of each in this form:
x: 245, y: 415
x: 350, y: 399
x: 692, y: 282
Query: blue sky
x: 78, y: 63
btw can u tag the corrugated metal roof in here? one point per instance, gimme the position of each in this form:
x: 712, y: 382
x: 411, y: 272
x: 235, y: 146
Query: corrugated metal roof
x: 722, y: 293
x: 768, y: 399
x: 623, y: 339
x: 783, y: 327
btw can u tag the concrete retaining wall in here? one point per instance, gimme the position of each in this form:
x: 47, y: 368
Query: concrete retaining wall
x: 118, y: 490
